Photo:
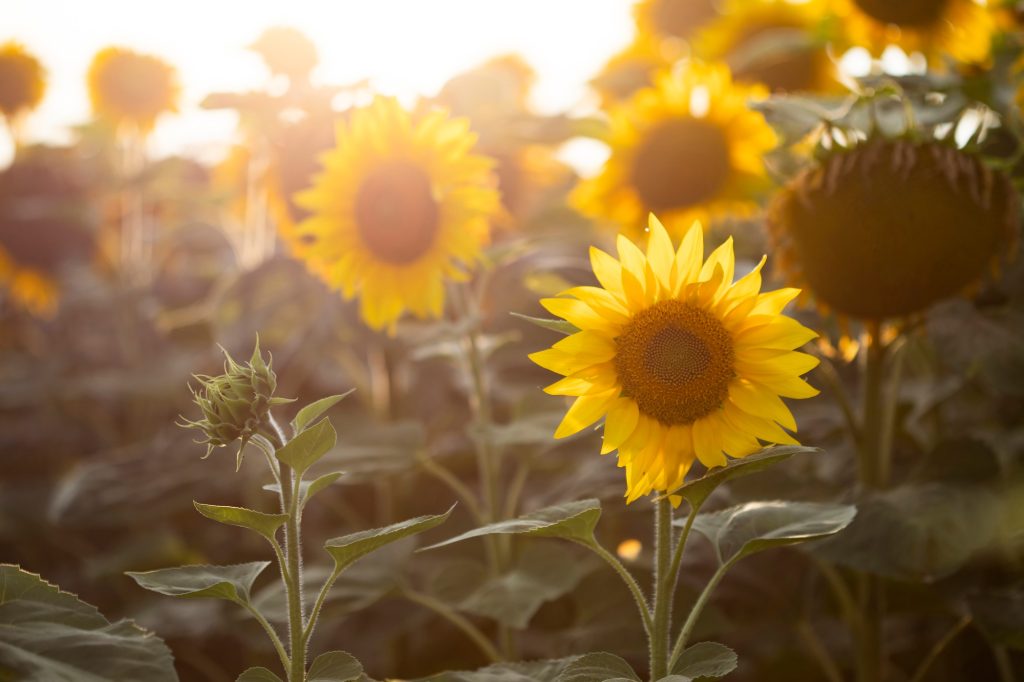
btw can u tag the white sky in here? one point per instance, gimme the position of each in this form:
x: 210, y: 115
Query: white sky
x: 406, y: 47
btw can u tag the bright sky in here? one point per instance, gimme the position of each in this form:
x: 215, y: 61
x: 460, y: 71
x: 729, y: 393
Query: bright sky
x: 406, y: 47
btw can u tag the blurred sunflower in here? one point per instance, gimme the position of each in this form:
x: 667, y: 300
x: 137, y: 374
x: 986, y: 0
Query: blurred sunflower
x: 22, y: 80
x: 688, y: 148
x: 682, y: 362
x: 629, y: 70
x: 44, y: 224
x: 401, y: 205
x: 127, y: 87
x: 892, y: 226
x: 774, y: 42
x: 961, y: 29
x: 287, y: 52
x: 672, y: 19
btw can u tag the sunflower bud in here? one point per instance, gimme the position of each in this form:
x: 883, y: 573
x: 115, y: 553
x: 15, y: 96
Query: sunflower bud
x: 236, y: 404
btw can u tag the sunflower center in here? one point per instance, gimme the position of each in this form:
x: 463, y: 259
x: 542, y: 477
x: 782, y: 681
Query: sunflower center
x: 396, y: 212
x: 908, y: 13
x: 676, y: 361
x: 680, y: 163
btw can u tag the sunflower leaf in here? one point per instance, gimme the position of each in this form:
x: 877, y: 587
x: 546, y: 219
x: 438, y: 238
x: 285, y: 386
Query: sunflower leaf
x: 258, y: 674
x: 232, y: 583
x: 705, y: 659
x: 316, y: 408
x: 753, y: 527
x: 698, y: 490
x: 598, y: 667
x: 264, y: 524
x: 570, y: 520
x: 347, y: 549
x: 310, y: 445
x: 335, y: 666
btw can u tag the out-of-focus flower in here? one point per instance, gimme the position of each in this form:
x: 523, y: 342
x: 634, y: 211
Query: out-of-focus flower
x: 22, y: 80
x: 129, y: 88
x: 680, y: 361
x: 778, y: 43
x: 892, y: 226
x: 961, y: 29
x: 402, y: 205
x: 287, y: 52
x: 44, y: 225
x: 672, y: 19
x: 688, y: 149
x: 629, y: 70
x: 236, y: 404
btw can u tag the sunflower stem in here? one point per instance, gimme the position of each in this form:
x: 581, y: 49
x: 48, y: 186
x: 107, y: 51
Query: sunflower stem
x: 634, y: 588
x: 695, y: 611
x: 662, y: 589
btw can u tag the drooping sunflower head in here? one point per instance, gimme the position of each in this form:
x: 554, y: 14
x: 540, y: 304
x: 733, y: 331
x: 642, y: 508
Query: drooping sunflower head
x: 688, y: 148
x: 778, y: 43
x: 22, y: 80
x: 681, y: 362
x: 961, y: 29
x: 890, y: 227
x: 287, y: 52
x: 129, y: 88
x: 402, y: 205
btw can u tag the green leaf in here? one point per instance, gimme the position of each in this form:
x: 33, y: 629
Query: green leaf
x: 698, y: 490
x: 756, y: 526
x: 598, y: 667
x: 540, y: 574
x: 571, y: 520
x: 705, y: 659
x: 316, y: 408
x: 560, y: 326
x: 305, y: 449
x: 316, y: 485
x: 349, y: 548
x: 258, y: 675
x: 264, y: 524
x: 47, y: 635
x: 534, y: 671
x: 335, y: 666
x: 232, y: 582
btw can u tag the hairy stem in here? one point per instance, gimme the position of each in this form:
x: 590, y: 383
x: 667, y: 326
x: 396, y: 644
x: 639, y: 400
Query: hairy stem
x: 631, y: 583
x: 662, y: 590
x: 698, y: 608
x: 456, y: 619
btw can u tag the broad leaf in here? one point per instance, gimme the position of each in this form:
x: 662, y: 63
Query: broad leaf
x: 316, y: 408
x: 196, y: 582
x: 756, y: 526
x: 334, y: 666
x: 258, y: 675
x: 571, y: 520
x: 705, y: 659
x: 264, y: 524
x: 305, y: 449
x: 598, y: 667
x: 316, y: 485
x: 560, y: 326
x: 698, y: 490
x: 47, y: 635
x: 534, y: 671
x: 349, y: 548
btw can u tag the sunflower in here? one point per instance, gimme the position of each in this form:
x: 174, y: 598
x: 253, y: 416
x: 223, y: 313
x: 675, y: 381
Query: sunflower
x: 775, y: 42
x: 672, y: 19
x: 960, y: 28
x: 891, y: 226
x: 131, y: 88
x: 682, y: 362
x: 629, y: 70
x: 22, y: 80
x: 402, y: 204
x: 688, y: 149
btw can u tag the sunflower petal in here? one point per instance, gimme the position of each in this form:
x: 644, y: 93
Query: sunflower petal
x: 584, y: 411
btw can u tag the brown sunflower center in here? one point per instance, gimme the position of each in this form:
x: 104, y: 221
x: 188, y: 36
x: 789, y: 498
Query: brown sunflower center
x: 676, y: 361
x: 680, y: 163
x: 910, y: 13
x: 396, y: 212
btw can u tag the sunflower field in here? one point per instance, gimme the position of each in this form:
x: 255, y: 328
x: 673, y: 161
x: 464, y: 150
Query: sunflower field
x: 666, y: 340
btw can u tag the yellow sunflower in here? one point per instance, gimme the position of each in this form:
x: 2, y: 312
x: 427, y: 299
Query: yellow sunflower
x: 961, y: 29
x: 775, y: 42
x: 22, y: 80
x: 401, y: 205
x: 688, y: 149
x: 32, y: 289
x: 682, y: 362
x: 127, y: 87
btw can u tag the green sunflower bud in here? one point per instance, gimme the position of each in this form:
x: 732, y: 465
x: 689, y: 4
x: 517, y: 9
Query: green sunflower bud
x: 236, y: 404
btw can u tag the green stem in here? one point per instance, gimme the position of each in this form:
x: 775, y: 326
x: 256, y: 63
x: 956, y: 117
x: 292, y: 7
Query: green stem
x: 278, y: 645
x: 438, y: 471
x: 293, y: 585
x: 456, y: 619
x: 631, y: 583
x: 314, y: 614
x: 938, y: 648
x: 698, y: 607
x: 662, y: 590
x: 828, y: 665
x: 677, y: 555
